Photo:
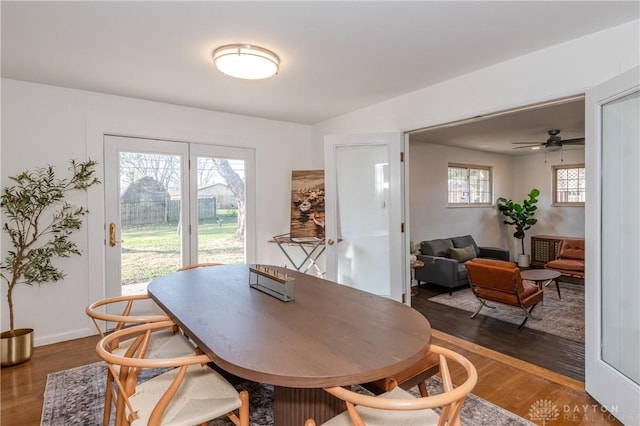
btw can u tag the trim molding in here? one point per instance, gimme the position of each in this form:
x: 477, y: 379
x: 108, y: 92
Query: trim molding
x: 511, y: 361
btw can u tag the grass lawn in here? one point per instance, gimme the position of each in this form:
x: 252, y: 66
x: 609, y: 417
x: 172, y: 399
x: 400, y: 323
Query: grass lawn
x: 153, y: 251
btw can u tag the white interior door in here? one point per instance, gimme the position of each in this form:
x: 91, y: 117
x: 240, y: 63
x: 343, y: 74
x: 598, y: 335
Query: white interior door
x: 612, y: 251
x: 365, y: 244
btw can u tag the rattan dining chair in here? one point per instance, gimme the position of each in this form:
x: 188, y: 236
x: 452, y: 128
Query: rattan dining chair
x: 188, y: 393
x: 399, y: 407
x: 199, y: 265
x: 416, y: 375
x: 168, y: 343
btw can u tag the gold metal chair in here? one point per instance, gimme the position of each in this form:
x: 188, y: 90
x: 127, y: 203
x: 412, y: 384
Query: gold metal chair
x: 398, y: 407
x: 189, y: 393
x: 168, y: 343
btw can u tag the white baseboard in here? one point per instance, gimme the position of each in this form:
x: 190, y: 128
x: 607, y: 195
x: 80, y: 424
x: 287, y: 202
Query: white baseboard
x: 40, y: 340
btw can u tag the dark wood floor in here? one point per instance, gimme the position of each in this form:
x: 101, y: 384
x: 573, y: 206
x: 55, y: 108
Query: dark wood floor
x: 545, y: 350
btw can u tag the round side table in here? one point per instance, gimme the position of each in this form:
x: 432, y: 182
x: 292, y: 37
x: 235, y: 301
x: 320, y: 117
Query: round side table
x: 542, y: 277
x: 414, y: 264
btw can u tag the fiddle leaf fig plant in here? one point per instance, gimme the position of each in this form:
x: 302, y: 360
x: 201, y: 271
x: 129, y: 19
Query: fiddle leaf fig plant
x: 520, y: 215
x: 39, y: 222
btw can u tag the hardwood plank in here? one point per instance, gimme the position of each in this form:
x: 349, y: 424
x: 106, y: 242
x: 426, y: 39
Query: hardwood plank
x: 23, y: 385
x: 542, y: 349
x: 516, y: 385
x: 511, y: 361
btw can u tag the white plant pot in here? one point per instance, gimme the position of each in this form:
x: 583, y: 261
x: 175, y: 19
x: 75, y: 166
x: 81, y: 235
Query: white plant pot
x: 524, y: 260
x: 413, y: 258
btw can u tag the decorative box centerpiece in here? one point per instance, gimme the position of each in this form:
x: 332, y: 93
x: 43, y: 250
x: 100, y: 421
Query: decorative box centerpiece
x: 273, y: 282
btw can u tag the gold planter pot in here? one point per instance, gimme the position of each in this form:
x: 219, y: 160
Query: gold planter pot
x: 18, y: 348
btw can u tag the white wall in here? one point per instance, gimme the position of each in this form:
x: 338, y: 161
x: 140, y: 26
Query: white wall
x: 50, y: 125
x: 531, y: 171
x: 513, y: 177
x: 430, y: 216
x: 562, y: 70
x: 575, y: 66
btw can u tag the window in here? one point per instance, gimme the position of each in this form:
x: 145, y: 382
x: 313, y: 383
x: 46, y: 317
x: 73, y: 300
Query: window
x: 469, y: 185
x: 568, y: 185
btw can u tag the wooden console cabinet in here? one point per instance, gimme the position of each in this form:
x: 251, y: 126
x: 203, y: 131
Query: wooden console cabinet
x: 545, y: 248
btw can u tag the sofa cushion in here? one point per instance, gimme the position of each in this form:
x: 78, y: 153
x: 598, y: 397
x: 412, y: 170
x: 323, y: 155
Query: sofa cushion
x: 501, y: 296
x: 572, y: 249
x: 462, y: 254
x: 566, y: 264
x: 465, y: 241
x: 436, y: 247
x: 463, y: 275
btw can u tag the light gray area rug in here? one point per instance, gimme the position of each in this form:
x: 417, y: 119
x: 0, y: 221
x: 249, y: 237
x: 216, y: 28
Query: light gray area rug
x: 75, y: 397
x: 561, y: 317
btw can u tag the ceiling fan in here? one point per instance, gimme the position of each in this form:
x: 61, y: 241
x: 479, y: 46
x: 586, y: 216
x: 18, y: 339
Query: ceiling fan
x: 554, y: 143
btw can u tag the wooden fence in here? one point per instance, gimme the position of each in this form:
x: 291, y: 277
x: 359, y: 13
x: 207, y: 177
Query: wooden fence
x: 153, y: 213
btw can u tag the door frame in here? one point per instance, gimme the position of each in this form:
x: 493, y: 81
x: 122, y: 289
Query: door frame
x: 604, y: 383
x: 96, y: 129
x: 399, y: 262
x: 112, y: 146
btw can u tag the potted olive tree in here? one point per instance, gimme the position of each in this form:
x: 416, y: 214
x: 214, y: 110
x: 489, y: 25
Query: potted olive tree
x: 521, y: 216
x: 39, y: 223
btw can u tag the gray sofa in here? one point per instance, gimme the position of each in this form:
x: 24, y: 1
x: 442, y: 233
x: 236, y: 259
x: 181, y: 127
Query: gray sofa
x: 444, y: 260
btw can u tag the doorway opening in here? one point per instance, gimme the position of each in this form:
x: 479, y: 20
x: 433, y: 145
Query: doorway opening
x: 488, y: 141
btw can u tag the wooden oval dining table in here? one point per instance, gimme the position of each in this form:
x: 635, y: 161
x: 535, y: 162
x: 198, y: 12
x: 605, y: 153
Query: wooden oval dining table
x: 330, y: 335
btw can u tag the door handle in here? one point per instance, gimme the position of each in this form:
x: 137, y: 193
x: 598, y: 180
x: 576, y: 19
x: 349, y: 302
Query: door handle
x: 330, y: 242
x: 112, y: 235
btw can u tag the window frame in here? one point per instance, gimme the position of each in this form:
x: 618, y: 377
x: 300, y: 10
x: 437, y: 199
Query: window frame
x: 488, y: 169
x: 554, y: 188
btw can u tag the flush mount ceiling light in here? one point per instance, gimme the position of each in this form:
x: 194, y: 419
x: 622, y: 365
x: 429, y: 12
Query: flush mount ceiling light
x: 246, y: 61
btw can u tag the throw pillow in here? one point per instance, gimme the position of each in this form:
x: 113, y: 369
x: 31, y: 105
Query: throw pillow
x: 462, y: 254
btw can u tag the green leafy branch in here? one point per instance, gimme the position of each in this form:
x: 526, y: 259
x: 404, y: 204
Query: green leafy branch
x: 37, y: 234
x: 520, y: 215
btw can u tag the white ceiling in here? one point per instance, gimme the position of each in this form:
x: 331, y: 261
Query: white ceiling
x: 497, y: 133
x: 336, y: 56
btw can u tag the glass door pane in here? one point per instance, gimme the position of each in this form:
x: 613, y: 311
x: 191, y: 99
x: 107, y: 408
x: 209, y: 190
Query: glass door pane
x: 150, y: 217
x: 221, y: 210
x: 169, y: 204
x: 620, y: 293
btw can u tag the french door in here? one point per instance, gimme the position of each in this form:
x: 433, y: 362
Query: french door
x: 612, y: 344
x: 365, y: 244
x: 169, y: 204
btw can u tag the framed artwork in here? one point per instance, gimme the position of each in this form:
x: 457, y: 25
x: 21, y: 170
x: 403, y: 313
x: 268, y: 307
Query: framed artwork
x: 307, y: 205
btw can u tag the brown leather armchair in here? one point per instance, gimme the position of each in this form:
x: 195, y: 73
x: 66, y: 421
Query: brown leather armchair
x: 500, y: 281
x: 570, y: 259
